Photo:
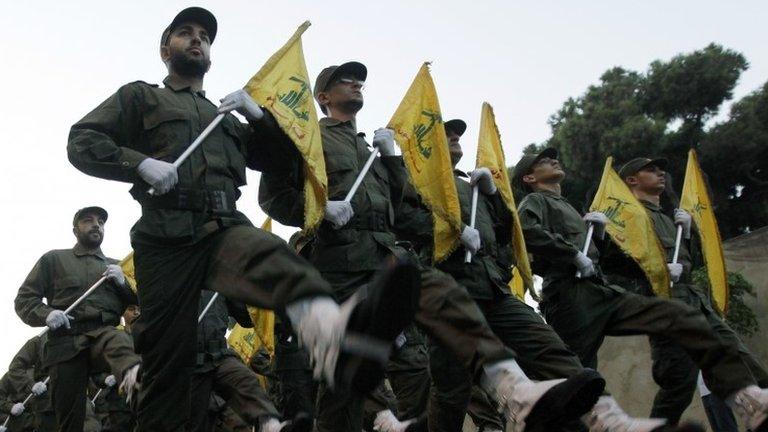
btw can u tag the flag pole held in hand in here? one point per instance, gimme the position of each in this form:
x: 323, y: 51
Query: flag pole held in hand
x: 195, y: 144
x: 585, y: 249
x: 678, y: 241
x: 472, y: 217
x: 208, y: 306
x: 362, y: 174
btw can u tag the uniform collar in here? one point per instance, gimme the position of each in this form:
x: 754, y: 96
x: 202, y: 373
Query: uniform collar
x: 177, y: 87
x: 551, y: 194
x: 80, y: 251
x: 651, y: 206
x: 332, y: 122
x: 460, y: 173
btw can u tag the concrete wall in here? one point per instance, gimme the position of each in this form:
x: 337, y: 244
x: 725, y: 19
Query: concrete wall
x: 626, y: 362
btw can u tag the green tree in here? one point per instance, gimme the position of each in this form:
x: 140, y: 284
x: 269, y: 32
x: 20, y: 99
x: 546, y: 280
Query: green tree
x: 739, y: 316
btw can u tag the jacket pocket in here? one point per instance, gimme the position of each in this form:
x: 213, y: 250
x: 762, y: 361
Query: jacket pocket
x: 166, y: 132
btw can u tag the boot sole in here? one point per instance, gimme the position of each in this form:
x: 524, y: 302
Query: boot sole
x: 566, y: 402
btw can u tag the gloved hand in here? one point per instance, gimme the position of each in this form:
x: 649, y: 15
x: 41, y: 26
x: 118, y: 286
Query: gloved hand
x: 598, y: 220
x: 470, y: 238
x: 159, y: 174
x: 17, y: 409
x: 384, y: 139
x: 39, y: 388
x: 130, y: 382
x: 675, y: 271
x: 683, y: 218
x: 115, y: 272
x: 243, y: 103
x: 338, y: 213
x: 110, y: 381
x: 483, y: 178
x: 3, y: 428
x: 319, y: 325
x: 57, y: 318
x: 585, y: 265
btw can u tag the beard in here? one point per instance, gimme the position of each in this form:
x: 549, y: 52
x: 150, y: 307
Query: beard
x: 187, y: 66
x: 89, y: 240
x: 351, y: 106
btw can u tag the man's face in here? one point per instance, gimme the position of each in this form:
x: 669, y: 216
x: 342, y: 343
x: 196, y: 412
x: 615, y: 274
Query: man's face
x: 131, y: 313
x: 545, y: 170
x: 344, y: 94
x: 89, y: 230
x: 651, y: 180
x: 188, y: 50
x: 454, y: 148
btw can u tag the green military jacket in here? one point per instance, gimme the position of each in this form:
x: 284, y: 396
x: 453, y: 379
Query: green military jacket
x: 8, y: 397
x: 61, y: 277
x: 554, y: 233
x: 483, y: 277
x: 621, y: 269
x: 27, y: 368
x: 366, y: 240
x: 143, y: 120
x: 212, y: 329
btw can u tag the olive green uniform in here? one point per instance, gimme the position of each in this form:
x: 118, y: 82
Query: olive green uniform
x: 192, y: 237
x: 584, y: 311
x: 25, y: 370
x: 220, y: 370
x: 348, y: 257
x: 673, y: 370
x: 111, y: 407
x: 24, y: 422
x: 540, y: 352
x: 92, y: 344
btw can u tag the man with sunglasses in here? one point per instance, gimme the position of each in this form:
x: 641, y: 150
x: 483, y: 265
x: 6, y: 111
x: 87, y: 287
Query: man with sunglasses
x: 357, y: 237
x: 583, y: 307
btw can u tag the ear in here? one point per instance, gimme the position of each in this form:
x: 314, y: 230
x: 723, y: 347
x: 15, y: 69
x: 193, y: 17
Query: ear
x: 322, y: 98
x: 529, y: 179
x: 74, y: 230
x: 165, y: 53
x: 631, y: 181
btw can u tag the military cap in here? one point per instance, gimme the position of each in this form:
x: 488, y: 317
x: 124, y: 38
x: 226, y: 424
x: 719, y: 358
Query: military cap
x: 89, y: 210
x: 456, y: 125
x: 525, y: 163
x: 329, y: 74
x: 196, y: 15
x: 638, y: 164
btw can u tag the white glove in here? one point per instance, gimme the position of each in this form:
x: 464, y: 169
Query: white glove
x: 675, y: 271
x: 599, y: 220
x: 115, y: 272
x: 338, y: 213
x: 159, y: 174
x: 243, y: 103
x: 683, y: 218
x: 130, y: 384
x: 271, y: 424
x: 384, y: 139
x: 320, y: 326
x: 39, y: 388
x: 584, y: 264
x: 57, y: 318
x: 483, y: 178
x: 110, y: 381
x: 17, y: 409
x: 470, y: 238
x: 3, y: 428
x: 387, y: 422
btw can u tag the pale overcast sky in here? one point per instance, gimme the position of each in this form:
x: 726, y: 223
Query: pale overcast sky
x: 62, y: 58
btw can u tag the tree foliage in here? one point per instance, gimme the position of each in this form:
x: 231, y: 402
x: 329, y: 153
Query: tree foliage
x: 739, y: 316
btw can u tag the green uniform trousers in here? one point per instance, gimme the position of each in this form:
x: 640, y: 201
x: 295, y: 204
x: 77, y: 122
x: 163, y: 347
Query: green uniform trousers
x: 242, y: 263
x: 540, y: 353
x: 584, y: 311
x: 108, y: 349
x: 240, y: 388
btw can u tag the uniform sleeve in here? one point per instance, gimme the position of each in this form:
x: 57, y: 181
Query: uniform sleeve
x: 29, y: 300
x: 413, y: 221
x: 102, y: 144
x: 21, y: 370
x: 502, y: 218
x: 281, y: 194
x: 398, y: 178
x: 268, y: 149
x: 539, y: 240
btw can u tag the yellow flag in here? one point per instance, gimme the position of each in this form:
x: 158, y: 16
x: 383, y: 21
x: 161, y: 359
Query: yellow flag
x: 247, y: 341
x: 631, y: 228
x: 419, y: 131
x: 491, y: 155
x: 695, y: 200
x: 283, y: 87
x: 129, y: 270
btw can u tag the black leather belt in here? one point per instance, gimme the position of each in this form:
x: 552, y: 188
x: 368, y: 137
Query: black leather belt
x: 216, y: 202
